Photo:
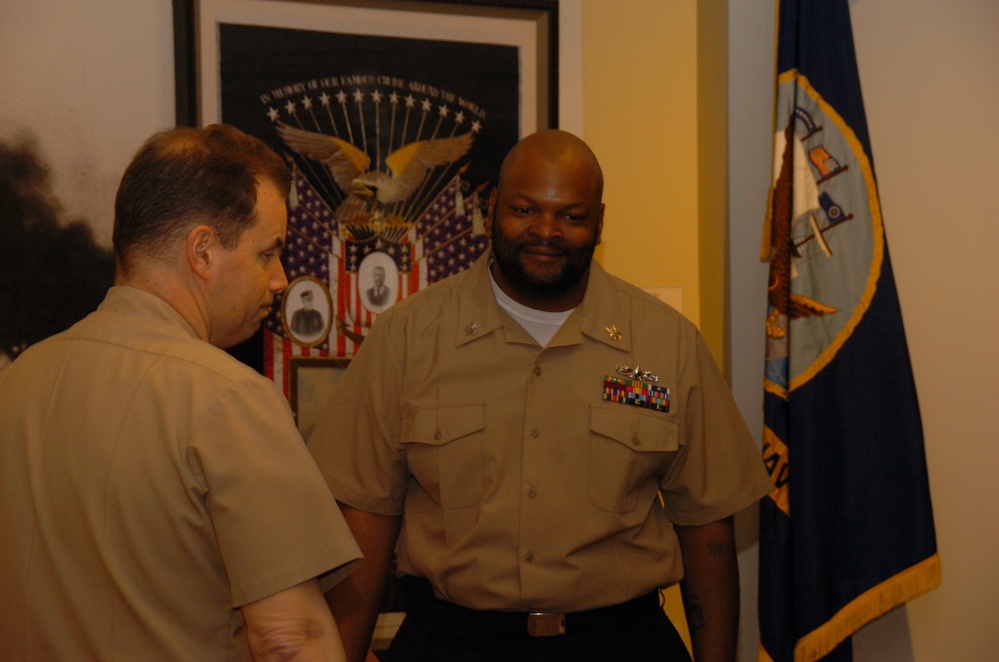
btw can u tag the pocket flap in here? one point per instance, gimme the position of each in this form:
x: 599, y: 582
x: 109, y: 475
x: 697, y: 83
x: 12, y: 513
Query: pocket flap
x: 638, y: 430
x: 440, y: 426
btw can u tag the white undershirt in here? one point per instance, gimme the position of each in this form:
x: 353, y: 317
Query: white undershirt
x: 541, y: 324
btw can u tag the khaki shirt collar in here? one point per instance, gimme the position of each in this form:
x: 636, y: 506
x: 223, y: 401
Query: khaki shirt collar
x: 603, y: 315
x: 133, y: 302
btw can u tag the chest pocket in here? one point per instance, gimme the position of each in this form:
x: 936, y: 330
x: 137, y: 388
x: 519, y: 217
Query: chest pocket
x: 444, y: 449
x: 628, y: 447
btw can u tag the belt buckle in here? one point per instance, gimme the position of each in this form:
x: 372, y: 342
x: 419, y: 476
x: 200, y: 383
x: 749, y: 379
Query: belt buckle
x: 545, y: 623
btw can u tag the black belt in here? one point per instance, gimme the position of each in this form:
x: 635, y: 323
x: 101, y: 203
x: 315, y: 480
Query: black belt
x: 422, y: 604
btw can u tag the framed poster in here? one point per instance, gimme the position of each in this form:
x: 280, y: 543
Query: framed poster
x: 394, y: 116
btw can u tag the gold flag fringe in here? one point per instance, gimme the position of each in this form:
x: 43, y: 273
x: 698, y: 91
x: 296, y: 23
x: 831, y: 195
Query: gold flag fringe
x: 870, y: 605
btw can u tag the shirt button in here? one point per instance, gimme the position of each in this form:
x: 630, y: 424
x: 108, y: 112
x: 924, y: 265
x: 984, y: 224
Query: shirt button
x: 437, y: 434
x: 636, y: 441
x: 529, y: 557
x: 535, y: 433
x: 537, y: 371
x: 532, y: 493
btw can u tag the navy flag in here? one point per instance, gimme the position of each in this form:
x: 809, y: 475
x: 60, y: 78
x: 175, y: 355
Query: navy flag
x: 847, y: 533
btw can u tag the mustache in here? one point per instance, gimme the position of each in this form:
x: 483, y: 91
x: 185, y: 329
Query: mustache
x: 543, y: 243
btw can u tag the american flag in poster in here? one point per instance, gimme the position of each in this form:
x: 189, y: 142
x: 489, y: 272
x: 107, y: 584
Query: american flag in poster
x: 343, y: 243
x: 393, y: 141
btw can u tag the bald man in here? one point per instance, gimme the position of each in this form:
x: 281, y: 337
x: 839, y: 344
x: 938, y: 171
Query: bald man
x: 545, y: 446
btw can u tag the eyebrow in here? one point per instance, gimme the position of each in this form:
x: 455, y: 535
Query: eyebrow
x: 520, y: 198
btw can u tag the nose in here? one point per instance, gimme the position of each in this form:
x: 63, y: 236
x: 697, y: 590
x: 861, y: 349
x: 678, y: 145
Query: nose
x: 279, y: 280
x: 546, y: 226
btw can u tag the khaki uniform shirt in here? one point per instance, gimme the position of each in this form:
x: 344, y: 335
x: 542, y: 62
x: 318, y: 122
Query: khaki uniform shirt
x: 521, y: 487
x: 150, y: 484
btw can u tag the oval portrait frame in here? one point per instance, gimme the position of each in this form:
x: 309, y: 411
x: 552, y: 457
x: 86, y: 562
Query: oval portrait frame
x: 290, y: 305
x: 365, y: 279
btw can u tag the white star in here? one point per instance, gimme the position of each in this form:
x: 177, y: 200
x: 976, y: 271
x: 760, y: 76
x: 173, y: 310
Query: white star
x: 324, y: 99
x: 272, y: 114
x: 358, y: 96
x: 306, y: 102
x: 290, y: 107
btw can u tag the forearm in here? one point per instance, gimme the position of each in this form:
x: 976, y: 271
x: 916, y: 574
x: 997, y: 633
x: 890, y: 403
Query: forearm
x: 355, y: 600
x: 293, y: 625
x: 710, y: 589
x: 355, y: 610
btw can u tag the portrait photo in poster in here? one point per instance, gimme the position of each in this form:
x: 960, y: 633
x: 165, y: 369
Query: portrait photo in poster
x: 306, y: 309
x: 394, y: 123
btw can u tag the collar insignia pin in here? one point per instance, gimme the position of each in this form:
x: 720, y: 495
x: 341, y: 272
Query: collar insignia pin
x: 472, y: 328
x: 613, y: 332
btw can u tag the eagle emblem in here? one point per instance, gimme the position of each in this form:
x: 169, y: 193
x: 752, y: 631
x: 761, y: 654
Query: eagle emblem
x: 374, y: 194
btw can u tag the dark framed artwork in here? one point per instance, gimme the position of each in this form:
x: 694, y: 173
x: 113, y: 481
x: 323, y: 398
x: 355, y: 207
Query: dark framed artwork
x: 394, y: 116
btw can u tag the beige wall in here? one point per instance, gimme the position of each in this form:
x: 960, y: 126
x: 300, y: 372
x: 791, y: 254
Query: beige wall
x: 930, y: 72
x: 642, y: 116
x: 100, y: 75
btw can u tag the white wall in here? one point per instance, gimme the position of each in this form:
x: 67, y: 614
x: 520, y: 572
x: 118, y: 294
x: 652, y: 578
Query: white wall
x: 90, y: 79
x: 929, y: 72
x: 750, y: 63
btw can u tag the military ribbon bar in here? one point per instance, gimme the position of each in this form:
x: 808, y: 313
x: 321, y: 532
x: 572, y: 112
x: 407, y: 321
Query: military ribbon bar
x: 637, y: 393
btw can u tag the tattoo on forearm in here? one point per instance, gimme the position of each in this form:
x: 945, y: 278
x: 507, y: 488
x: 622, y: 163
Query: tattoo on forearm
x: 695, y: 613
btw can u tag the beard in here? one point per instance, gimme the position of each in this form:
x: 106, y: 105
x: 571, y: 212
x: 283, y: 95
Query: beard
x: 537, y: 286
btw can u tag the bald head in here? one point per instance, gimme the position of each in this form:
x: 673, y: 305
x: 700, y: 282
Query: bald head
x: 554, y: 150
x: 545, y: 217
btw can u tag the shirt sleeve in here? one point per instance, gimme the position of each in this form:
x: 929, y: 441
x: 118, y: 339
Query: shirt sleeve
x: 275, y: 521
x: 718, y: 470
x: 356, y: 439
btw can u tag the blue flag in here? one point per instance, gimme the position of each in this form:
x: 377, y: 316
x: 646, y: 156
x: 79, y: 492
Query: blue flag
x: 847, y: 534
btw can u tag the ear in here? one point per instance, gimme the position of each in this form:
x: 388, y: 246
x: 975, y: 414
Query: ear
x: 199, y: 249
x: 600, y: 222
x: 490, y: 210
